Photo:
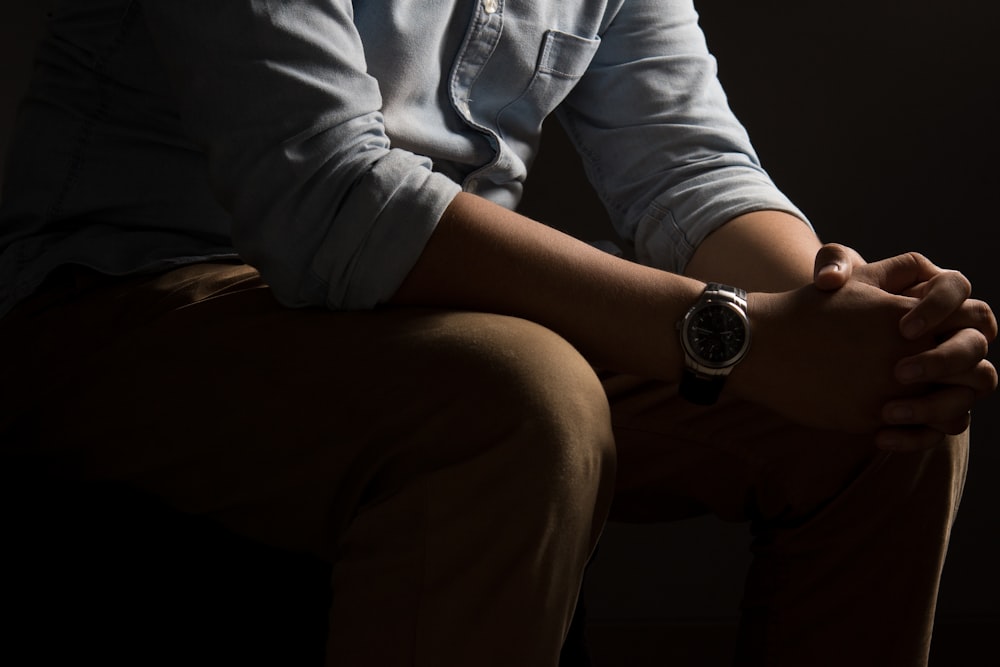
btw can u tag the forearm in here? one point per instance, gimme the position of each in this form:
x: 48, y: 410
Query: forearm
x: 763, y: 251
x: 622, y: 315
x: 619, y: 314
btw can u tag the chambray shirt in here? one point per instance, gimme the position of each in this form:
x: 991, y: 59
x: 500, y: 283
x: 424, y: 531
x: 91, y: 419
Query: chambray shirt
x: 321, y: 140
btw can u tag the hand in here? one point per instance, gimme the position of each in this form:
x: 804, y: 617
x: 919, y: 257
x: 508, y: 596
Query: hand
x: 941, y: 292
x: 825, y: 358
x: 956, y: 369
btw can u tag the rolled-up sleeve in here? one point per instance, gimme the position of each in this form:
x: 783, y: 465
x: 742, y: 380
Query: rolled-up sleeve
x: 659, y: 141
x: 278, y: 95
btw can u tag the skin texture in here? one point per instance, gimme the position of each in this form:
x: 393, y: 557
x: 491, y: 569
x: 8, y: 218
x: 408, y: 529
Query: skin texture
x: 854, y: 325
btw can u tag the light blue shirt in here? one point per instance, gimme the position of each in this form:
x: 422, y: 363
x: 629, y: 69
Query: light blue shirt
x: 321, y: 140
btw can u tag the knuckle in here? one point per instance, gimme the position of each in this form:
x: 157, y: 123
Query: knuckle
x: 990, y: 373
x: 960, y: 282
x: 983, y: 317
x: 975, y: 343
x: 982, y: 345
x: 954, y: 282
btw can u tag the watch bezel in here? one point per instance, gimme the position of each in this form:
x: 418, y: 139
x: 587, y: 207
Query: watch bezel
x: 689, y: 346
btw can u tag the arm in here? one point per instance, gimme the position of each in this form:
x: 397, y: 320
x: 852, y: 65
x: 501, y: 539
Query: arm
x: 770, y: 251
x: 621, y: 315
x: 278, y: 97
x: 317, y: 192
x: 764, y: 251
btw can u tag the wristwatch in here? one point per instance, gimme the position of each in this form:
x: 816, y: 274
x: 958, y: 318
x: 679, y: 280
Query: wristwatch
x: 715, y: 335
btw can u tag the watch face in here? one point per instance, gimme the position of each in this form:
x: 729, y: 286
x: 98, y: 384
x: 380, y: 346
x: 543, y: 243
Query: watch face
x: 717, y: 333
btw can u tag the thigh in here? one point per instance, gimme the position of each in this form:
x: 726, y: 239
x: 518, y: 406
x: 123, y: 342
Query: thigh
x: 198, y: 387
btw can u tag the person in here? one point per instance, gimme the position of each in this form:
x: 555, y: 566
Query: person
x: 261, y: 260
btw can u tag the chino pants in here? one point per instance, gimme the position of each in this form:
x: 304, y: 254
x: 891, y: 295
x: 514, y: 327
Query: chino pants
x: 456, y: 468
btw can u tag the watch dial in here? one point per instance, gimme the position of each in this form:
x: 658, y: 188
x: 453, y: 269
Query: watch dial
x: 717, y: 333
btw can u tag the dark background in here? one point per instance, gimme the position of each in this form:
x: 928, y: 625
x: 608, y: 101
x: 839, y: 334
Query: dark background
x: 879, y: 119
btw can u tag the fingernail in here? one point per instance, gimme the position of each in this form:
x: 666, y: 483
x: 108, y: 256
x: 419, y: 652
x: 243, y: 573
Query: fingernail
x: 913, y: 328
x: 910, y: 372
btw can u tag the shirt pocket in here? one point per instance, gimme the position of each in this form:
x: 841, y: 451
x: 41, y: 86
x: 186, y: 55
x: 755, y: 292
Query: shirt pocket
x: 562, y: 61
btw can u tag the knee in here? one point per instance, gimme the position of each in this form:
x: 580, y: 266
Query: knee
x: 562, y: 408
x: 932, y: 478
x: 532, y: 383
x: 559, y: 453
x: 802, y: 482
x: 525, y: 399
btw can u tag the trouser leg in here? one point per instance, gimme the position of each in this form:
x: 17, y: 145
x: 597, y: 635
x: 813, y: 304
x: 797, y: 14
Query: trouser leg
x: 456, y: 468
x: 480, y: 554
x: 848, y: 542
x: 857, y: 580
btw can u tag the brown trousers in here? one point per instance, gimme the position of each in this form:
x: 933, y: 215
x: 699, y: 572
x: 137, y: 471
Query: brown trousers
x: 456, y: 468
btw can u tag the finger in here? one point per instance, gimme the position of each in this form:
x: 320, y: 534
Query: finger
x: 834, y: 266
x: 973, y: 314
x: 961, y: 359
x: 949, y: 406
x: 908, y: 438
x: 941, y: 296
x: 899, y: 273
x: 982, y: 379
x: 959, y: 425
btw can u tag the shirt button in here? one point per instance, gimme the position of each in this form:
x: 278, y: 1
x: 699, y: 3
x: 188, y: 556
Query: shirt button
x: 491, y: 6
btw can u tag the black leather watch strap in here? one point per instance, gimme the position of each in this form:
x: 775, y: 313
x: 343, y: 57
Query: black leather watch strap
x: 701, y: 390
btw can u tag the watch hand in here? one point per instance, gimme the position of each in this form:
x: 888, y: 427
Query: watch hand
x: 714, y: 332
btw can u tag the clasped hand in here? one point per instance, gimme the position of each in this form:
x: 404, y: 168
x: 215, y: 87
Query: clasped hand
x: 938, y: 383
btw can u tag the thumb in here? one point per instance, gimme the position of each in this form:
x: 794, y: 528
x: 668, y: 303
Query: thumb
x: 834, y: 265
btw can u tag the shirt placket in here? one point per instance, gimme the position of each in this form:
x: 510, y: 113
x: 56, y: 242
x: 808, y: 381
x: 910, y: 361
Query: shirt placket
x: 480, y: 42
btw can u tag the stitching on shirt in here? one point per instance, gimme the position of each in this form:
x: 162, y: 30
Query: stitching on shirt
x: 562, y: 43
x: 454, y: 85
x: 476, y: 26
x: 542, y: 69
x: 668, y: 222
x: 86, y: 131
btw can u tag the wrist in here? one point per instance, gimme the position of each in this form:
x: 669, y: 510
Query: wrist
x: 749, y: 377
x: 715, y: 336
